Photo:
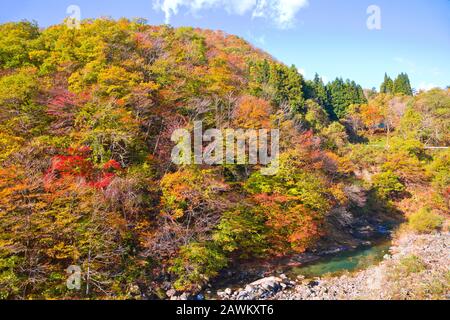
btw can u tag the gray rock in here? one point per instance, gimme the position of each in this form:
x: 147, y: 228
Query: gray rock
x: 184, y: 296
x: 170, y: 293
x: 269, y: 281
x: 249, y: 288
x: 366, y: 284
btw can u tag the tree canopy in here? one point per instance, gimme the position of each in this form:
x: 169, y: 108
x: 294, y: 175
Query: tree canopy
x: 86, y: 177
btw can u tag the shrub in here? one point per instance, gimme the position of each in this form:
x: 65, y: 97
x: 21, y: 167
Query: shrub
x: 196, y: 264
x: 387, y: 184
x: 425, y: 221
x: 242, y: 231
x: 316, y: 116
x: 293, y: 203
x: 439, y: 169
x: 412, y: 264
x: 335, y: 136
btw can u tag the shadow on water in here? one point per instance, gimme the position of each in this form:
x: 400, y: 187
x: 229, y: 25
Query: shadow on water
x: 343, y: 262
x: 354, y: 247
x: 326, y: 265
x: 310, y: 266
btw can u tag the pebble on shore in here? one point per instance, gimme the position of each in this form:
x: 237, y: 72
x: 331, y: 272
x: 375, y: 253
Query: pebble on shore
x: 375, y: 283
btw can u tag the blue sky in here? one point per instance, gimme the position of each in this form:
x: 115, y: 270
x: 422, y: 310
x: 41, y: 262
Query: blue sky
x: 330, y: 37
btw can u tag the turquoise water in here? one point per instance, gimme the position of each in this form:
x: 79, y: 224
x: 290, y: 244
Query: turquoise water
x: 334, y: 264
x: 346, y: 261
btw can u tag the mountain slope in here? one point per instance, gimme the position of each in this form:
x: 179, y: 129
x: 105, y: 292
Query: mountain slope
x: 86, y: 119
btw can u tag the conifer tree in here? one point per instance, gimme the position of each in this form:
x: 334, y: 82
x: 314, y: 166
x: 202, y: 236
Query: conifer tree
x: 388, y: 85
x: 402, y: 85
x: 320, y: 90
x: 343, y: 94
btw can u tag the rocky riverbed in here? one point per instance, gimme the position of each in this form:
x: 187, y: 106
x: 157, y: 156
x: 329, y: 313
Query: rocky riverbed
x: 418, y: 267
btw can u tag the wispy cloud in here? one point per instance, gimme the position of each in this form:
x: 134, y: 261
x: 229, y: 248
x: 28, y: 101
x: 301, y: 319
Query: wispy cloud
x: 281, y: 12
x: 419, y: 69
x: 258, y: 40
x: 436, y: 72
x: 411, y: 65
x: 301, y: 71
x: 426, y: 86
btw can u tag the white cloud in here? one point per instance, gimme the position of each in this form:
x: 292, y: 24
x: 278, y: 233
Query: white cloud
x: 240, y: 6
x: 301, y: 71
x: 172, y: 7
x: 281, y: 12
x: 423, y: 86
x: 436, y: 72
x: 261, y: 40
x: 409, y: 64
x: 420, y: 71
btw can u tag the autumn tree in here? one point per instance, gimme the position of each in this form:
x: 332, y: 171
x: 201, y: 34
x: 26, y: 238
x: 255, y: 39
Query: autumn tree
x: 18, y: 40
x: 252, y: 113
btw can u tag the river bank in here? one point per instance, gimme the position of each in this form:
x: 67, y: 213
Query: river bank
x: 417, y: 267
x: 349, y: 236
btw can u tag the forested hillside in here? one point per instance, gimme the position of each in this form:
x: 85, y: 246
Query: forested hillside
x: 86, y: 177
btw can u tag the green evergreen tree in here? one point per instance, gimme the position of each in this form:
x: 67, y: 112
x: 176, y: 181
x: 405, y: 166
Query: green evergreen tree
x: 263, y: 74
x: 402, y: 85
x: 388, y: 85
x: 295, y: 89
x: 317, y: 91
x: 309, y: 92
x: 321, y: 91
x: 278, y: 83
x: 343, y: 94
x: 287, y: 84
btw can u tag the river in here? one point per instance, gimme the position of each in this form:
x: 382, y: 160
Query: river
x: 332, y: 265
x: 347, y: 261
